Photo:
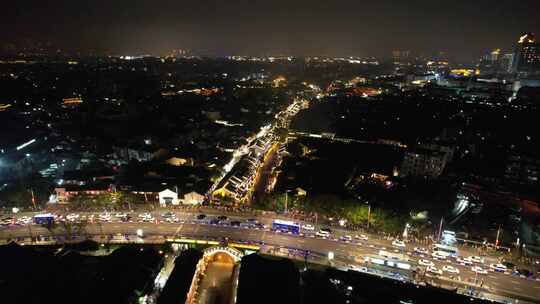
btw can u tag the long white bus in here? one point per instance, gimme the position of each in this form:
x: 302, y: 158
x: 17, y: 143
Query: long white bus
x: 445, y: 250
x: 394, y: 256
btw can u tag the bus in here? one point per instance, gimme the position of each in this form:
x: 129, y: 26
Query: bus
x: 286, y: 226
x: 45, y: 218
x: 389, y: 262
x: 394, y: 256
x: 445, y: 250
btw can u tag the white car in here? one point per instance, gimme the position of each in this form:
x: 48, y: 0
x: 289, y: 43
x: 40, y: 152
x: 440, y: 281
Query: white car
x: 119, y: 215
x: 434, y: 270
x: 323, y: 233
x: 358, y: 268
x: 346, y: 238
x: 148, y: 219
x: 451, y: 269
x: 421, y: 250
x: 438, y: 256
x: 464, y: 261
x: 105, y: 217
x: 398, y: 243
x: 72, y: 216
x: 498, y: 267
x: 308, y: 227
x: 425, y: 262
x: 361, y: 237
x: 25, y: 220
x: 478, y: 269
x: 476, y: 259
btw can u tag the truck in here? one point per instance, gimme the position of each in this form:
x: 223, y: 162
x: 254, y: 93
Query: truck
x: 42, y: 219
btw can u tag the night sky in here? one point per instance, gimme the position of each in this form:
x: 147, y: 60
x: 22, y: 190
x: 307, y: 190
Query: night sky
x: 463, y: 28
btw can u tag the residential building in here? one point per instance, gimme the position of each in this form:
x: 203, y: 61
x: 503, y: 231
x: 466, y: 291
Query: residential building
x: 423, y: 163
x: 193, y: 198
x: 168, y: 197
x: 522, y: 169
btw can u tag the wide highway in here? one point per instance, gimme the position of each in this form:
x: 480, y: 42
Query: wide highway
x: 188, y: 226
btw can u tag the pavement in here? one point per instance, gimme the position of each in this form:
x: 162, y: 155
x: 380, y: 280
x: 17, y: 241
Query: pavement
x: 499, y: 284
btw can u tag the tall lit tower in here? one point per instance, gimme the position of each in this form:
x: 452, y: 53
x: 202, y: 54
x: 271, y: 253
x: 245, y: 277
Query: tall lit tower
x: 527, y: 55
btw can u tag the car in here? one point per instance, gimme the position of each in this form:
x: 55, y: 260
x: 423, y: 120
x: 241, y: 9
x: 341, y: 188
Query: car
x: 72, y: 216
x: 308, y: 227
x: 168, y: 214
x: 201, y: 216
x: 508, y: 264
x: 421, y: 250
x: 324, y: 232
x: 171, y: 219
x: 214, y: 221
x: 451, y: 269
x: 498, y: 267
x: 425, y: 262
x: 25, y: 220
x: 235, y: 223
x: 6, y: 222
x: 222, y: 218
x: 358, y: 268
x: 479, y: 270
x: 252, y: 221
x: 524, y: 273
x: 514, y: 217
x: 476, y: 259
x: 105, y: 217
x: 438, y: 256
x: 434, y: 270
x: 361, y: 237
x: 398, y: 243
x: 145, y: 215
x: 260, y: 226
x: 346, y: 238
x: 464, y: 261
x: 120, y: 215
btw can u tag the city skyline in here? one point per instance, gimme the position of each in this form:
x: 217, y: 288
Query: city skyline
x: 462, y: 30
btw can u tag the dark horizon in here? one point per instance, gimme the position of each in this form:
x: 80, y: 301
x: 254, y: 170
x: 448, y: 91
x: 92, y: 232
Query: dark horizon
x: 463, y: 30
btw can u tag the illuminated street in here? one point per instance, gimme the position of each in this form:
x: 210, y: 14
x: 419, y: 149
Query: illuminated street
x: 347, y: 252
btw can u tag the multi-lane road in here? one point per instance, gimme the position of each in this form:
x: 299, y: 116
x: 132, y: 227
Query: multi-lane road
x: 188, y: 225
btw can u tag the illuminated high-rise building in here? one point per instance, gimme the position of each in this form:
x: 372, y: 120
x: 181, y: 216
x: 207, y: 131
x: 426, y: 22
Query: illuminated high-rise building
x: 506, y: 62
x: 527, y: 55
x: 400, y: 55
x: 491, y: 62
x: 495, y: 55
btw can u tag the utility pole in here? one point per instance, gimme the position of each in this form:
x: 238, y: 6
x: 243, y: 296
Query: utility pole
x: 497, y: 238
x: 286, y: 199
x: 368, y: 214
x: 440, y: 229
x: 33, y: 198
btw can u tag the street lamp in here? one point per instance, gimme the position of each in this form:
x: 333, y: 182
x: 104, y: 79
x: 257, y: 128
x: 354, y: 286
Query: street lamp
x: 368, y: 213
x: 286, y: 199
